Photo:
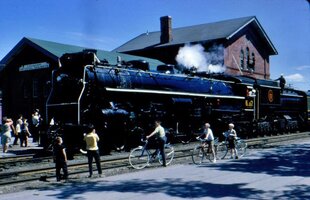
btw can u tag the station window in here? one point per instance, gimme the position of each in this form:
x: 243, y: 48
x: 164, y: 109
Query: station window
x: 46, y: 90
x: 252, y: 62
x: 247, y: 57
x: 35, y: 88
x: 26, y: 91
x: 241, y: 59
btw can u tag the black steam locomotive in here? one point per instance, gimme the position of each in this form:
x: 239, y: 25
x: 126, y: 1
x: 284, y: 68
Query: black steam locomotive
x: 123, y: 100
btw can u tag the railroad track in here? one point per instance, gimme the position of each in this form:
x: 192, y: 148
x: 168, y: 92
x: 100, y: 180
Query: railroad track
x: 45, y: 173
x: 14, y: 160
x: 120, y: 162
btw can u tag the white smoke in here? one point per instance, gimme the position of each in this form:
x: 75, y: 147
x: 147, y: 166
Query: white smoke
x: 295, y: 77
x: 194, y: 56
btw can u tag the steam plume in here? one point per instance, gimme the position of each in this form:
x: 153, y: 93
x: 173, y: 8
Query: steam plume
x: 194, y: 56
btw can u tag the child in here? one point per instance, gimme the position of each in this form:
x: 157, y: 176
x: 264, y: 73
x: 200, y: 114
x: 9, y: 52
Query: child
x: 25, y: 134
x: 60, y: 159
x: 231, y: 135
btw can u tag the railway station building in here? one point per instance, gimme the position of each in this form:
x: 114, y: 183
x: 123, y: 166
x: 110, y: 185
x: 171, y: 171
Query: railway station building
x: 246, y: 48
x: 26, y: 72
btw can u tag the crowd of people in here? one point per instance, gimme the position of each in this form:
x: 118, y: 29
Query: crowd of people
x: 21, y: 130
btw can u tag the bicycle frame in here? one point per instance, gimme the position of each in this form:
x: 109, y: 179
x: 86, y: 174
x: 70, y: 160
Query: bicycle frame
x: 201, y: 151
x: 223, y: 148
x: 141, y: 156
x: 145, y: 149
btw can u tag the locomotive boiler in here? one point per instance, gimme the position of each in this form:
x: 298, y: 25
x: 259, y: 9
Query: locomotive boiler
x: 123, y: 100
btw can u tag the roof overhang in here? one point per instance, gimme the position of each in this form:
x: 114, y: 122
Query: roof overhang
x: 261, y: 31
x: 19, y: 47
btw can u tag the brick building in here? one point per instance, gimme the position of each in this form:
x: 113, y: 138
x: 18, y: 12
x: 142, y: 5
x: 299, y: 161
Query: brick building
x: 246, y: 46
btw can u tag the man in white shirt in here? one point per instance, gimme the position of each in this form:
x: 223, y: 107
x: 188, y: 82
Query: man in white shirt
x: 161, y: 139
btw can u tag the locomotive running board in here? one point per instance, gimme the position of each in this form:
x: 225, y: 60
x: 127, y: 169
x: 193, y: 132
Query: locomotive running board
x: 173, y: 93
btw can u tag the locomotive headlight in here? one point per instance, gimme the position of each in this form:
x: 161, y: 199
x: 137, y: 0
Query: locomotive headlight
x: 252, y: 93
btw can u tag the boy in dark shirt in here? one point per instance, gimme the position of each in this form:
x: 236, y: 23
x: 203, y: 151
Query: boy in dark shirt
x: 60, y: 159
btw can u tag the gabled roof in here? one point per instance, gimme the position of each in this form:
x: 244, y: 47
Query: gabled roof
x: 55, y: 50
x: 197, y: 33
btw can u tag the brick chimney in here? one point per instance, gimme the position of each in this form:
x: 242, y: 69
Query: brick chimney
x: 165, y: 29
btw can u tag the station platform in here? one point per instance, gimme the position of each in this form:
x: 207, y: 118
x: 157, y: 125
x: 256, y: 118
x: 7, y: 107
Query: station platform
x: 15, y: 150
x: 279, y: 172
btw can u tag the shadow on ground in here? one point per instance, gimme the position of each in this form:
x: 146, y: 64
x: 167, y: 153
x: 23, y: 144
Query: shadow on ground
x: 176, y: 188
x: 290, y: 160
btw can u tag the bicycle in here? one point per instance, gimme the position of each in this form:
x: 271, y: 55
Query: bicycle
x: 222, y: 148
x: 200, y: 152
x: 141, y: 156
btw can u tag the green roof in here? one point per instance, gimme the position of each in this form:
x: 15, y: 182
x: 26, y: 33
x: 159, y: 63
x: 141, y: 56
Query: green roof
x: 56, y: 50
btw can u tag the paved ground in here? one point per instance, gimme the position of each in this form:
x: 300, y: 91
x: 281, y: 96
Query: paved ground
x: 277, y: 173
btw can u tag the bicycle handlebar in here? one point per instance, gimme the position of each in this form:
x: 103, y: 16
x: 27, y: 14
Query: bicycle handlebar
x: 144, y: 140
x: 226, y: 136
x: 200, y: 139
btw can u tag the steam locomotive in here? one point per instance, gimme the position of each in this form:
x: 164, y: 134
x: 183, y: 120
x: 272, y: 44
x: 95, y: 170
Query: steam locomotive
x: 124, y: 100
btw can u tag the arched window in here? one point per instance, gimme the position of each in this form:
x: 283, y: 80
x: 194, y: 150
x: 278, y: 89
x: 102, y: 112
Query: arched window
x: 241, y: 59
x: 252, y: 62
x: 247, y: 57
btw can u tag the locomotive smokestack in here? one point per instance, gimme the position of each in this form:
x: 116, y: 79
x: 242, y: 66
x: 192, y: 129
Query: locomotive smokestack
x: 166, y: 29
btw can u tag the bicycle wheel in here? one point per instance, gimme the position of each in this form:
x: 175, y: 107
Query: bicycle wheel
x: 198, y: 155
x: 169, y: 153
x: 210, y: 157
x: 139, y: 158
x: 241, y: 146
x: 221, y: 150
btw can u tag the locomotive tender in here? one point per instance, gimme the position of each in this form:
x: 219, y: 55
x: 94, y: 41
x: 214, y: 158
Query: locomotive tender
x: 122, y: 100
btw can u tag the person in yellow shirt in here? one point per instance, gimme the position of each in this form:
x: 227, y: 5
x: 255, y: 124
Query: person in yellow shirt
x: 91, y: 140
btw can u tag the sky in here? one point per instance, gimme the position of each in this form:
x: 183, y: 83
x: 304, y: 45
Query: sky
x: 107, y: 24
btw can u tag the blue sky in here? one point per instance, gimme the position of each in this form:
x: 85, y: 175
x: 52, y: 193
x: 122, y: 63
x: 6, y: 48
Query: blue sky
x: 107, y: 24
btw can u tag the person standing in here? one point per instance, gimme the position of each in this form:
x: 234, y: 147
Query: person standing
x: 35, y: 125
x: 60, y: 159
x: 92, y: 139
x: 6, y: 133
x: 231, y: 136
x: 282, y: 82
x: 160, y: 134
x: 18, y: 130
x: 25, y: 134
